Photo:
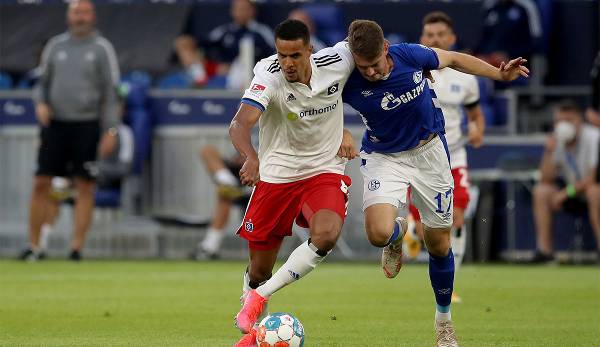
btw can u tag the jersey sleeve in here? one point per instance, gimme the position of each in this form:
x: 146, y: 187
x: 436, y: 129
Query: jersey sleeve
x: 472, y: 91
x: 264, y: 84
x: 343, y: 50
x: 420, y: 56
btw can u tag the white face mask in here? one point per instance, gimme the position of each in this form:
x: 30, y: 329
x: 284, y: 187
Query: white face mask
x: 564, y: 131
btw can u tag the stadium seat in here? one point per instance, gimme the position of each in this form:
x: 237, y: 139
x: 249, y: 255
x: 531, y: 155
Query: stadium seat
x: 486, y: 90
x: 6, y: 81
x: 175, y: 80
x: 138, y: 77
x: 108, y: 198
x: 329, y: 22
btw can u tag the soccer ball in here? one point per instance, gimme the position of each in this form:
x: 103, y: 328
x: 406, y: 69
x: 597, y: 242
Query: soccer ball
x: 280, y: 330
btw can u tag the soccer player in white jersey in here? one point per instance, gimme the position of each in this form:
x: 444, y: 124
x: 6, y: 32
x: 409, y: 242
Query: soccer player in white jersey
x: 455, y: 90
x: 404, y: 146
x: 298, y: 172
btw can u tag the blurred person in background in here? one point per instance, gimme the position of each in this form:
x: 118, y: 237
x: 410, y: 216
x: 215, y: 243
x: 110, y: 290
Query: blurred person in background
x: 205, y: 57
x: 112, y: 170
x: 592, y: 113
x: 456, y: 91
x: 78, y: 111
x: 568, y: 176
x: 230, y: 191
x: 304, y: 17
x: 511, y: 28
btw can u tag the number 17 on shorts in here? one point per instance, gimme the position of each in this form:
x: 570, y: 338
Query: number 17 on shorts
x: 444, y: 200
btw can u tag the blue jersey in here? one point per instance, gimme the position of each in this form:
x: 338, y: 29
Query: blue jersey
x: 398, y: 111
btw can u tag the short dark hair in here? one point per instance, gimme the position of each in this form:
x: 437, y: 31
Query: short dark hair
x: 438, y: 17
x: 568, y: 105
x: 291, y: 30
x: 365, y: 38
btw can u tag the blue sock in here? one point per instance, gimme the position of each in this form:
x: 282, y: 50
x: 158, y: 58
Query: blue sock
x: 441, y: 274
x: 395, y: 234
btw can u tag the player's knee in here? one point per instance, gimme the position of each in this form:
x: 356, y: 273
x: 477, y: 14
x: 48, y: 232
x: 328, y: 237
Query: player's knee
x: 377, y: 239
x: 208, y: 152
x: 41, y: 185
x: 324, y: 242
x: 379, y: 233
x: 325, y: 232
x: 438, y: 241
x: 542, y: 191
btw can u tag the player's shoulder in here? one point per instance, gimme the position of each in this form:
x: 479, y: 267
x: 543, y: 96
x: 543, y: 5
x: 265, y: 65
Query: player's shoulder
x: 58, y: 40
x: 104, y: 45
x: 332, y: 57
x: 268, y: 66
x: 591, y: 132
x: 408, y: 47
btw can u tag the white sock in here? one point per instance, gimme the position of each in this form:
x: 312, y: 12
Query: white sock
x: 44, y: 233
x: 302, y: 261
x: 225, y: 177
x: 212, y: 241
x: 246, y: 286
x: 441, y: 317
x: 458, y: 245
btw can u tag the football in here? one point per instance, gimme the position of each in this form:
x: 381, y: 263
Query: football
x: 280, y: 330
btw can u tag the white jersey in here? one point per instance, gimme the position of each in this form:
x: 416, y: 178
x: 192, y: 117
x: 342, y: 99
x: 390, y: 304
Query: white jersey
x: 454, y: 89
x: 301, y: 128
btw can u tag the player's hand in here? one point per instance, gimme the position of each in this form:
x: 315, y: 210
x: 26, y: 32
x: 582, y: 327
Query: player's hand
x: 558, y: 199
x: 475, y: 135
x: 249, y: 174
x: 43, y: 113
x: 513, y: 69
x: 108, y: 143
x: 347, y: 148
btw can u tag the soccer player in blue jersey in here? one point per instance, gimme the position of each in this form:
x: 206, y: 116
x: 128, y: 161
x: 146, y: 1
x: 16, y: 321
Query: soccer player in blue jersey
x: 404, y: 146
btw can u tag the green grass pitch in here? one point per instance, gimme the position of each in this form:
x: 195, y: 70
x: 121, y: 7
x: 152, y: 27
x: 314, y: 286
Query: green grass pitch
x: 156, y: 303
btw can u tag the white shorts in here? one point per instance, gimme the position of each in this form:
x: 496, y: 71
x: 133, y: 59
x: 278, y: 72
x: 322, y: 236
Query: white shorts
x: 426, y: 169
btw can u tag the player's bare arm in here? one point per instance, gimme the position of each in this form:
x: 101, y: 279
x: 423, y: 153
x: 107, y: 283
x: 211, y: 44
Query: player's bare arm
x: 469, y: 64
x: 239, y: 131
x: 476, y: 125
x: 347, y: 147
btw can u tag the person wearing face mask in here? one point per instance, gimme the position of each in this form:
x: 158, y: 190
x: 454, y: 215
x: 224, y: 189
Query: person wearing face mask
x: 568, y: 171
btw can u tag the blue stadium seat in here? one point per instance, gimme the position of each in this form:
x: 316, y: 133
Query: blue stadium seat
x: 6, y: 81
x: 486, y: 90
x: 138, y: 77
x: 216, y: 82
x: 108, y: 198
x: 175, y: 80
x: 329, y: 22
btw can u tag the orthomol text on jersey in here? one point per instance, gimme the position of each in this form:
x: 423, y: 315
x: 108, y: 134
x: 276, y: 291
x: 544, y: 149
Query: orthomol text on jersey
x: 390, y: 101
x: 312, y: 112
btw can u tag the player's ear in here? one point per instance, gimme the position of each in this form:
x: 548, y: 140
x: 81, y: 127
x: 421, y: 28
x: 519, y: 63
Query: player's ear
x: 386, y: 46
